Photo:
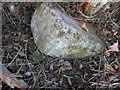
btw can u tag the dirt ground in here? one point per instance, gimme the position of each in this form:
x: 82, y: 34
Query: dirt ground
x: 42, y: 71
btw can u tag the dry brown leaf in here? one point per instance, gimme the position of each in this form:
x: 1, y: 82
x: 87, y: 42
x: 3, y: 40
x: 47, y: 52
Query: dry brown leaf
x: 84, y: 27
x: 113, y: 48
x: 84, y: 6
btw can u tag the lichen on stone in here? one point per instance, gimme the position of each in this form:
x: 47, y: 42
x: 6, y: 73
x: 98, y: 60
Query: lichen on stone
x: 61, y: 34
x: 77, y: 36
x: 53, y: 14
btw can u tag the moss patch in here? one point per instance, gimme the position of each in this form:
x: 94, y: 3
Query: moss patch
x: 53, y: 14
x: 77, y: 36
x: 76, y: 51
x: 61, y: 33
x: 56, y: 25
x: 69, y: 31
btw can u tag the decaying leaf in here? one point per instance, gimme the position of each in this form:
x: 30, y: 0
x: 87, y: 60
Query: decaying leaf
x: 65, y: 65
x: 91, y: 8
x: 86, y: 7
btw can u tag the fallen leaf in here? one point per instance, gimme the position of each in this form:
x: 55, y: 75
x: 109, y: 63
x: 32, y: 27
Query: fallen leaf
x: 66, y: 65
x: 80, y: 66
x: 84, y: 6
x: 113, y: 48
x: 84, y: 27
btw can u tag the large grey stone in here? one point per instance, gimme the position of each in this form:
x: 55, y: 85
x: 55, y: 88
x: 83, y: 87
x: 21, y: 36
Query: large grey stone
x: 58, y: 34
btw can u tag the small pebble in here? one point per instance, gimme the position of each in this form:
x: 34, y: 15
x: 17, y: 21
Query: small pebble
x: 12, y: 8
x: 28, y: 74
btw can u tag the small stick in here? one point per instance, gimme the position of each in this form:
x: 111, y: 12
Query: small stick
x: 9, y: 79
x: 14, y: 57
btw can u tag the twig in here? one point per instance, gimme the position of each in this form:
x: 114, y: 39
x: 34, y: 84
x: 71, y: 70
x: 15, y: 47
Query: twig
x: 14, y: 58
x: 117, y: 9
x: 19, y: 69
x: 9, y: 79
x: 87, y: 17
x: 9, y: 18
x: 114, y: 84
x: 60, y: 6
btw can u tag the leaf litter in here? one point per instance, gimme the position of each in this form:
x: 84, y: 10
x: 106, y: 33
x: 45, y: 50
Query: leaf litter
x: 100, y: 71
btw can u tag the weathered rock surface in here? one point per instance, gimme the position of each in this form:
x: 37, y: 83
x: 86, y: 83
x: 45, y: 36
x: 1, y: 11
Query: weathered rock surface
x: 57, y: 34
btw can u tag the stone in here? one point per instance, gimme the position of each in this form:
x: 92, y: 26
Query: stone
x: 58, y: 35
